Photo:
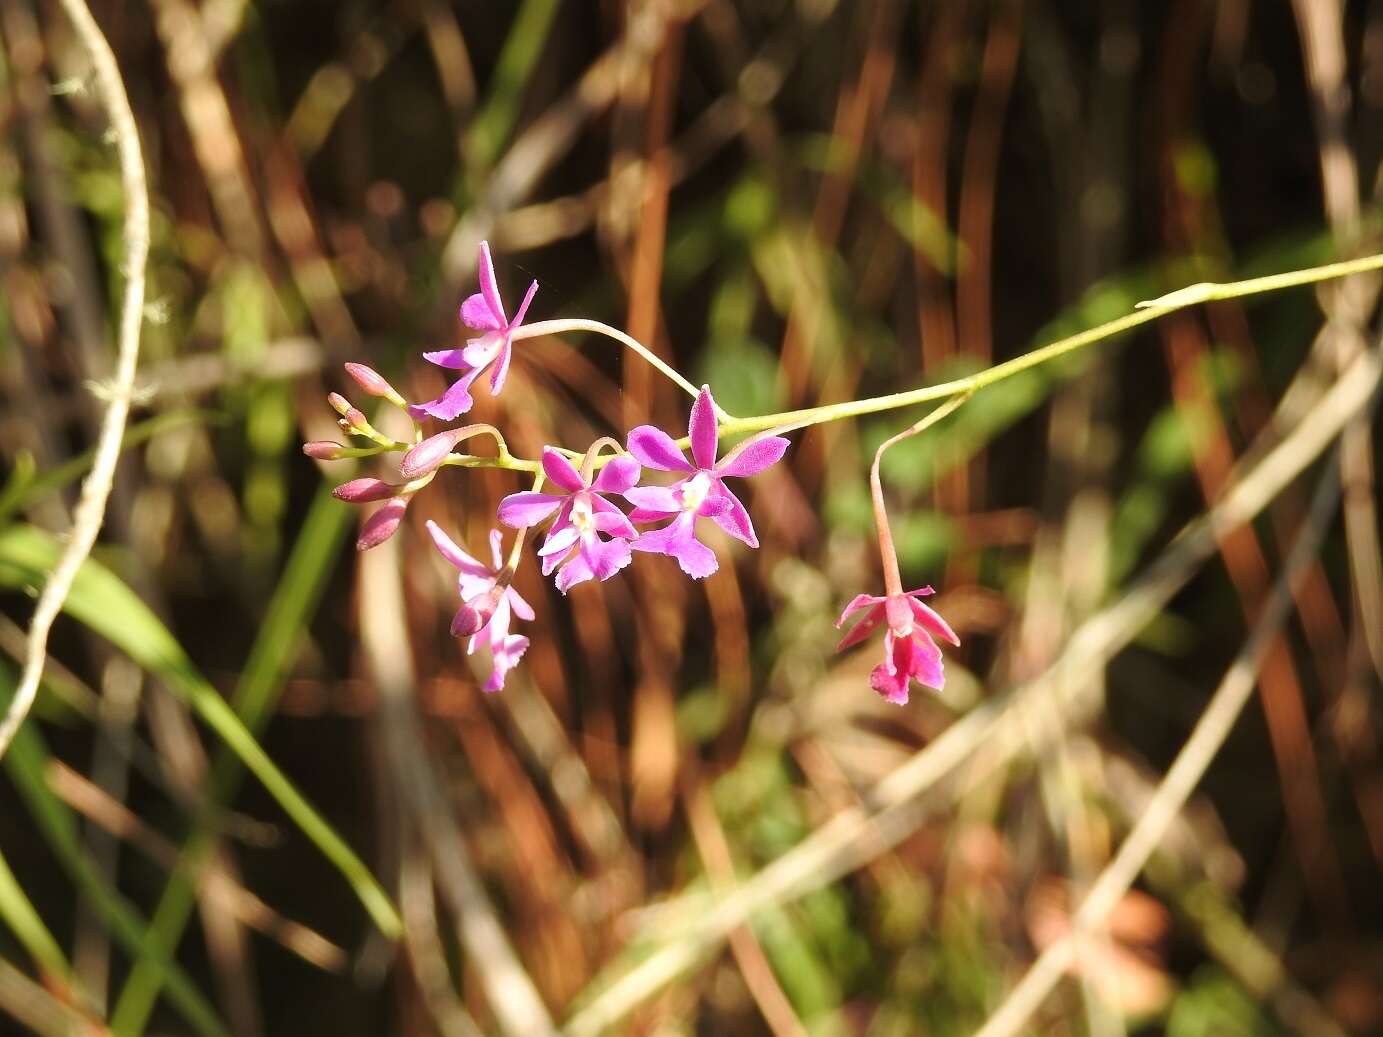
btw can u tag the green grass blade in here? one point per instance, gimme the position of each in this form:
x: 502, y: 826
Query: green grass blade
x: 103, y: 602
x: 493, y: 124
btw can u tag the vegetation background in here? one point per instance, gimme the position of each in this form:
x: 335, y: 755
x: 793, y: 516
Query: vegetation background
x: 798, y: 201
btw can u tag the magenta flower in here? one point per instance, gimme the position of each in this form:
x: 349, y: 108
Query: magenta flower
x: 488, y: 604
x: 701, y: 493
x: 573, y: 540
x: 484, y: 312
x: 910, y: 653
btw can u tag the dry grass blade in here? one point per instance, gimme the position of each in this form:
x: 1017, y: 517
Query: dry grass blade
x: 1183, y: 777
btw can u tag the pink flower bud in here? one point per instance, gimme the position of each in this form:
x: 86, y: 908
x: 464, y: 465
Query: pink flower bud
x: 380, y: 526
x: 323, y: 450
x: 355, y: 418
x: 430, y: 453
x: 339, y: 403
x: 373, y: 383
x: 359, y: 491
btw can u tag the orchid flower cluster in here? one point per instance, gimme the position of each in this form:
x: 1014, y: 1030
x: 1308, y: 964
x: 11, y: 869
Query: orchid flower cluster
x: 590, y: 536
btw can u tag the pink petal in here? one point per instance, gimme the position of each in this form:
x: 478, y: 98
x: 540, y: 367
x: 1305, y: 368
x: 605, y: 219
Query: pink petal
x: 501, y: 368
x: 449, y: 358
x: 613, y: 523
x: 455, y: 555
x: 558, y: 541
x: 932, y: 622
x: 496, y: 552
x: 862, y: 629
x: 521, y: 608
x: 605, y: 557
x: 577, y: 570
x: 452, y: 403
x: 481, y: 352
x: 527, y: 509
x: 858, y: 602
x: 476, y: 313
x: 726, y: 511
x: 752, y: 456
x: 523, y: 306
x: 660, y: 499
x: 923, y: 660
x: 679, y: 541
x: 560, y: 471
x: 892, y: 686
x: 504, y: 658
x: 702, y: 429
x: 618, y: 475
x: 655, y: 449
x: 488, y: 286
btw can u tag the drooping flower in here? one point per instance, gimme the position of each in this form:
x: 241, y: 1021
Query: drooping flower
x: 483, y: 311
x: 574, y: 538
x: 488, y: 603
x: 701, y: 493
x: 910, y: 653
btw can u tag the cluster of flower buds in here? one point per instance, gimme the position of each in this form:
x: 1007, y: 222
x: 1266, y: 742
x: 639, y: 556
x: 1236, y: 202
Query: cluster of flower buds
x: 590, y: 536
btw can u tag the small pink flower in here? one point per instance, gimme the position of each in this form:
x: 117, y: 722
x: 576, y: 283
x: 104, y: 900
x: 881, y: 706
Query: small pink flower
x: 702, y: 493
x: 484, y: 312
x: 487, y: 605
x: 909, y: 650
x: 573, y: 540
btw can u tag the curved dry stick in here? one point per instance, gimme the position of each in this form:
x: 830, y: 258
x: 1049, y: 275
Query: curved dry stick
x: 1182, y: 778
x: 91, y: 508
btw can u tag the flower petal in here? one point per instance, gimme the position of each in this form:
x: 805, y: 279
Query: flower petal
x: 527, y: 509
x: 613, y: 523
x: 618, y: 475
x: 496, y: 549
x: 726, y: 511
x: 481, y: 352
x: 523, y: 306
x: 605, y: 557
x: 449, y: 358
x: 923, y: 662
x: 702, y: 429
x: 500, y: 371
x: 862, y: 629
x: 859, y: 601
x: 932, y: 622
x: 489, y: 288
x: 504, y: 656
x: 455, y: 555
x: 679, y: 541
x: 452, y: 403
x: 560, y: 471
x: 662, y: 499
x: 655, y: 449
x: 476, y: 313
x: 752, y: 456
x: 521, y: 607
x: 577, y: 570
x: 558, y: 541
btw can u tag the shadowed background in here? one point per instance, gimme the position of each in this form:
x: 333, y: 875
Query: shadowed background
x: 799, y: 203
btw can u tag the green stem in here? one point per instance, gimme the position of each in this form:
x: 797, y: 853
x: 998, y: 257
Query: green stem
x: 562, y: 327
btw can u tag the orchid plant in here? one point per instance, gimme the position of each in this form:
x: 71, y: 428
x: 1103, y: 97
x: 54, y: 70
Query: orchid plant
x: 591, y: 537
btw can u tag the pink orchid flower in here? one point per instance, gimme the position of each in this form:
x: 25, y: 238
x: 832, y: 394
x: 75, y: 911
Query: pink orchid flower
x: 910, y: 653
x: 483, y: 311
x: 573, y: 540
x: 488, y: 604
x: 701, y: 493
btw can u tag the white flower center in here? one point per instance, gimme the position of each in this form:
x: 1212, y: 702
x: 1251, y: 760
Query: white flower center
x: 581, y: 516
x: 694, y: 491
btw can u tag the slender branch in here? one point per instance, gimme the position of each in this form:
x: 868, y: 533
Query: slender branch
x: 91, y: 508
x: 1183, y: 777
x: 562, y: 327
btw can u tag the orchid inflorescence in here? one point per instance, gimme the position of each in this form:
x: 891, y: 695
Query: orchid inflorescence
x: 590, y: 536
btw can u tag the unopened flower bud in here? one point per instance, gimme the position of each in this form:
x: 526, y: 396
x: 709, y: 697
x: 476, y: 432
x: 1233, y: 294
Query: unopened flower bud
x: 323, y: 450
x: 339, y: 403
x: 472, y: 616
x: 380, y: 526
x: 355, y: 418
x: 360, y: 491
x: 373, y: 383
x: 430, y: 453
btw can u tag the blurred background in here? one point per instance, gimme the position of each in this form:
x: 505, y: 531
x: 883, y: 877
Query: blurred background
x: 797, y: 201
